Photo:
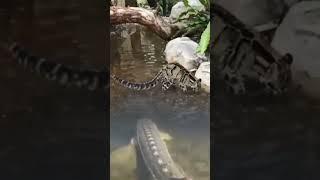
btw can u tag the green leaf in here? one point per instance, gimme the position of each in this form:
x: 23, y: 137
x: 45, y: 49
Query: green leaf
x: 186, y: 3
x: 203, y: 2
x: 205, y: 40
x: 183, y: 14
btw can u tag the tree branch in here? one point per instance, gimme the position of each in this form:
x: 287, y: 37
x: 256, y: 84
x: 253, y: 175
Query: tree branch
x: 121, y: 15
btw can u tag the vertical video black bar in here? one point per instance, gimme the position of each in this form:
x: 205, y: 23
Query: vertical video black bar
x: 107, y: 55
x: 53, y: 117
x: 212, y: 98
x: 269, y: 129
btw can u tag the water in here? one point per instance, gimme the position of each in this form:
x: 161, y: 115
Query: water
x: 265, y: 138
x: 46, y: 131
x: 184, y: 117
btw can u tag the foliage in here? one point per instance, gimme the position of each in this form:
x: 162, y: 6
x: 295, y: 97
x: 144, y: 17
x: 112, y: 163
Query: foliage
x: 196, y: 19
x: 205, y: 40
x: 205, y: 3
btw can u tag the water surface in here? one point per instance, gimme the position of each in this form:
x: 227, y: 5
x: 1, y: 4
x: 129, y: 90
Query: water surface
x: 138, y: 57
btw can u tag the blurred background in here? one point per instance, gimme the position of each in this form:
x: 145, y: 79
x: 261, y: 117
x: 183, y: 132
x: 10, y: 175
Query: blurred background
x: 47, y: 131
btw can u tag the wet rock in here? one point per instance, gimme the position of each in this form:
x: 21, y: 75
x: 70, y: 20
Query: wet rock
x: 299, y: 34
x: 183, y: 51
x: 253, y: 12
x: 179, y: 8
x: 203, y: 73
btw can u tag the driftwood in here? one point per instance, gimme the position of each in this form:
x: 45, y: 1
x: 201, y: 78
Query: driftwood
x: 148, y: 18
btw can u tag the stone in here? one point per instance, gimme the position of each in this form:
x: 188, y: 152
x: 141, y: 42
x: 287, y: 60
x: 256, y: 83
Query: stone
x: 290, y: 3
x: 179, y: 8
x: 182, y: 50
x: 203, y: 73
x: 253, y: 12
x: 299, y: 34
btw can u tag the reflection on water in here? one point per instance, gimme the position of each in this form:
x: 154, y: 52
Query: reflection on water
x: 49, y: 132
x: 184, y: 117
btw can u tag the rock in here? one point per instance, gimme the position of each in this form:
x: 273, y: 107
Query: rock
x: 290, y: 3
x: 253, y: 12
x: 123, y: 162
x: 182, y: 50
x: 142, y: 3
x: 203, y: 73
x: 179, y: 8
x: 299, y: 34
x: 120, y: 3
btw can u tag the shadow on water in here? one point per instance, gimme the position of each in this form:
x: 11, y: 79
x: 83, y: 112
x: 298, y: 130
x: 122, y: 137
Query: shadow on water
x: 138, y: 56
x: 46, y: 131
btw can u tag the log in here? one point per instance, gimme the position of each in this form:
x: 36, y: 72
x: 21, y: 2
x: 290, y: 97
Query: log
x: 148, y: 18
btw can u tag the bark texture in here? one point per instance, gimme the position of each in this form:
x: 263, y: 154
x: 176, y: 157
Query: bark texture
x: 148, y: 18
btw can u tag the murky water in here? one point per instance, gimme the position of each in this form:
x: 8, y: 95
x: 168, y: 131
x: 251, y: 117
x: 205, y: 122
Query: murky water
x: 265, y: 138
x: 50, y: 132
x: 185, y: 118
